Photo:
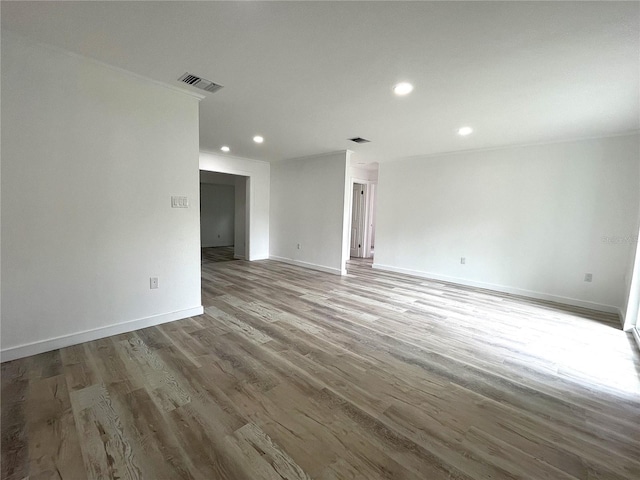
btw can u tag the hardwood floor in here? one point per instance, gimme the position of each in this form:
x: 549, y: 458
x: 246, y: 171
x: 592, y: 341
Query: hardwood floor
x: 217, y: 254
x: 295, y: 374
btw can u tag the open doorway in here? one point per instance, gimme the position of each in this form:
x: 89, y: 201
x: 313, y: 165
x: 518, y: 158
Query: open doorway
x: 223, y: 217
x: 363, y: 218
x: 358, y: 221
x: 363, y: 179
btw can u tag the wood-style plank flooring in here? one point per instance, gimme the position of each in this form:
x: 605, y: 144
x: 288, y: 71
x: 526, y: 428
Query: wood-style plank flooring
x: 294, y: 374
x: 217, y: 254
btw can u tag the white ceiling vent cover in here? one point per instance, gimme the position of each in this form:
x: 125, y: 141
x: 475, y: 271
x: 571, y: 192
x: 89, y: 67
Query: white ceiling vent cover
x: 201, y: 83
x: 360, y: 140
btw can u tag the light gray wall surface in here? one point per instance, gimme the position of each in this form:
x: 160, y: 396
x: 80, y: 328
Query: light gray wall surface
x: 90, y: 159
x: 309, y: 207
x: 530, y: 220
x: 217, y: 215
x: 240, y: 223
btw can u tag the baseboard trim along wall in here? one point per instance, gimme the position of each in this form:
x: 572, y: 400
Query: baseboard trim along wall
x: 259, y: 257
x: 621, y: 316
x: 503, y: 289
x: 312, y: 266
x: 26, y: 350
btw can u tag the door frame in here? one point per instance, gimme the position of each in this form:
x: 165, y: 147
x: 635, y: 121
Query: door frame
x: 248, y: 196
x: 367, y: 212
x: 360, y: 229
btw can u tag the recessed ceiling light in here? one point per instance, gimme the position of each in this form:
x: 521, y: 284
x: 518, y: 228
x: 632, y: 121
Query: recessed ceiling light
x: 403, y: 88
x: 225, y: 148
x: 258, y: 139
x: 464, y: 131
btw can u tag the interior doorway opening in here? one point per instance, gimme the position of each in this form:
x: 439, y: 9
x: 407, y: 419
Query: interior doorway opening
x: 223, y: 216
x: 358, y: 221
x: 363, y: 218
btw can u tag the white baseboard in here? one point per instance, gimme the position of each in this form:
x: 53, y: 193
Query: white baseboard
x: 504, y: 289
x: 312, y: 266
x: 238, y: 257
x: 621, y: 316
x: 42, y: 346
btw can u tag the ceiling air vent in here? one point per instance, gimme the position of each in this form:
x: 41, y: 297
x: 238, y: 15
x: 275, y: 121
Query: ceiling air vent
x: 359, y: 140
x: 201, y: 83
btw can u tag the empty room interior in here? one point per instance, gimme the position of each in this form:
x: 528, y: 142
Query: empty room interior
x: 320, y: 240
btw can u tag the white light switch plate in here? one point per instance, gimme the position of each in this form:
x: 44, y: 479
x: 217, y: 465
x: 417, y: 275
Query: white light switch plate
x: 179, y: 201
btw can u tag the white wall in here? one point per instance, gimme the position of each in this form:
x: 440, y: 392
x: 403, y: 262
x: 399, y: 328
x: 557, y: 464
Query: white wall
x: 359, y: 174
x: 217, y: 215
x: 258, y: 193
x: 632, y: 296
x: 373, y: 195
x: 309, y: 206
x: 90, y: 159
x: 530, y: 220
